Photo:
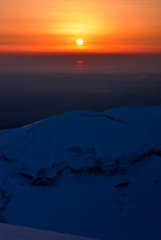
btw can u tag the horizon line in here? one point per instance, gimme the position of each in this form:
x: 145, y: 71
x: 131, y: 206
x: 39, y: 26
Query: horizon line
x: 79, y: 53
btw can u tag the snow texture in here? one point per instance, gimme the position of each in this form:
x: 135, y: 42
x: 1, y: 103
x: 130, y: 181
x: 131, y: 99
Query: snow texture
x: 85, y: 173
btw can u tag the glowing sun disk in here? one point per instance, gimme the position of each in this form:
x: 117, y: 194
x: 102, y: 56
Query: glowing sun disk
x: 79, y: 41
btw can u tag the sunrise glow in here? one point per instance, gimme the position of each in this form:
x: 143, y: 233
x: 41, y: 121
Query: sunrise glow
x: 113, y: 26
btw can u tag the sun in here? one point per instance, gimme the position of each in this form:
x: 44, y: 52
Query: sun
x: 79, y: 42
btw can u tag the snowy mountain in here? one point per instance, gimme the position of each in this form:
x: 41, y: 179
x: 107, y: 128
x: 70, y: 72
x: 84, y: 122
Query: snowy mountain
x: 85, y: 173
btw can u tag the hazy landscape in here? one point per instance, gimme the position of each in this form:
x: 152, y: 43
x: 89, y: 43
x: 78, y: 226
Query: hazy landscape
x: 41, y: 86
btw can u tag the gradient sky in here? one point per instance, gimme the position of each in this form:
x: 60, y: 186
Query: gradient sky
x: 105, y: 26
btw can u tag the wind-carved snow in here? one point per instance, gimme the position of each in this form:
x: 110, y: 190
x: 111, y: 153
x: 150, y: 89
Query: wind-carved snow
x: 105, y: 116
x: 114, y: 145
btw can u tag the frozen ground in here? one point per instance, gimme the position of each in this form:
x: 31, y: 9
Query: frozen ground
x: 84, y: 173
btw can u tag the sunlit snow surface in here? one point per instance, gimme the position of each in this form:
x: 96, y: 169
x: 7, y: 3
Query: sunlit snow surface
x: 11, y: 232
x: 85, y: 173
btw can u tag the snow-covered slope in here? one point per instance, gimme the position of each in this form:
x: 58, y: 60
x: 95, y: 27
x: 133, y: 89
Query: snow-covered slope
x: 11, y: 232
x: 85, y: 173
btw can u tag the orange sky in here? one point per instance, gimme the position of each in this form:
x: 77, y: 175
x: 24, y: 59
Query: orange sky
x: 105, y: 26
